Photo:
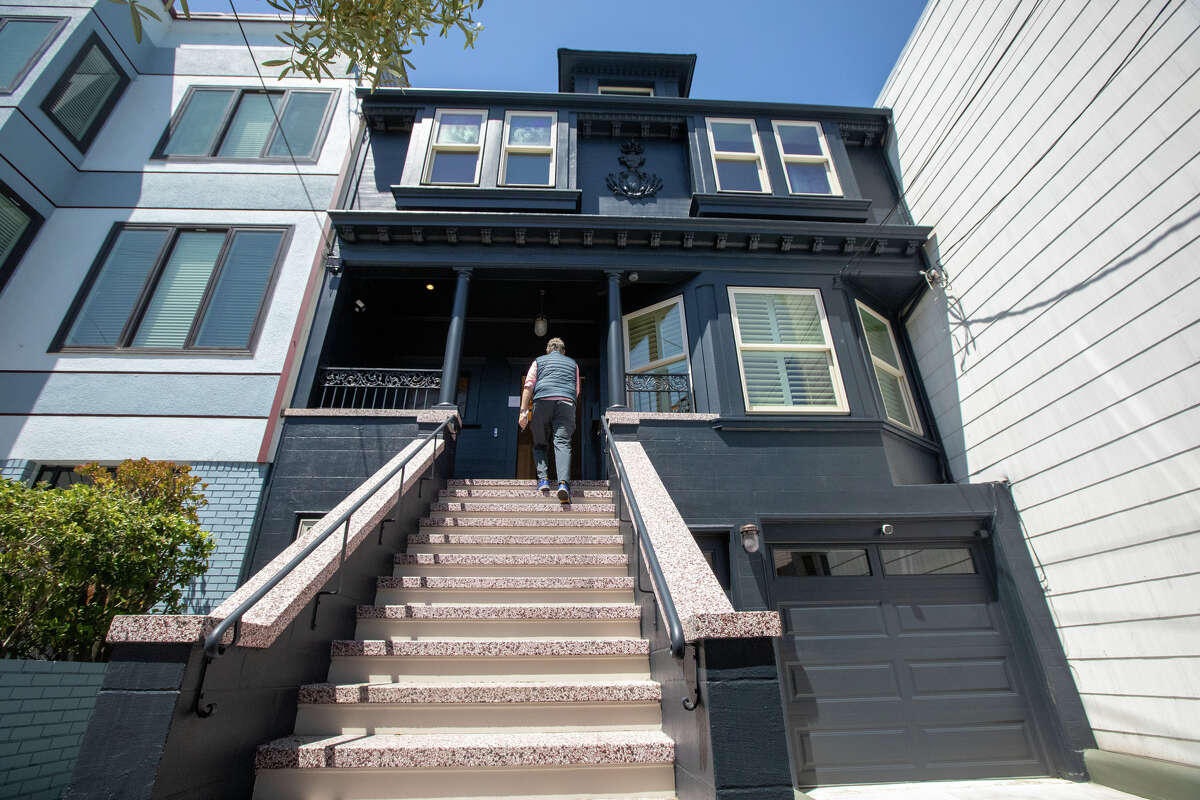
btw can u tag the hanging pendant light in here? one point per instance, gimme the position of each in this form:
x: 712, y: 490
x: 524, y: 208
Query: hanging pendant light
x: 541, y: 325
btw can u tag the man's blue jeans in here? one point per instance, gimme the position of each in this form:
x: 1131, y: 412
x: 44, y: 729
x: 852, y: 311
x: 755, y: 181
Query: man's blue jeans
x: 553, y: 418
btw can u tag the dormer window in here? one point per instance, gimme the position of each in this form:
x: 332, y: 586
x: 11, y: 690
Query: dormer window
x: 806, y: 160
x: 737, y: 155
x: 529, y: 138
x: 456, y: 146
x: 637, y: 91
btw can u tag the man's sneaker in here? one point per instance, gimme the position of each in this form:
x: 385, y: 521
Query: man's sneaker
x: 543, y: 486
x: 564, y: 492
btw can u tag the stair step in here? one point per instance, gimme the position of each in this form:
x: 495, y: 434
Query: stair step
x: 512, y: 564
x: 521, y: 509
x: 566, y: 658
x: 470, y: 589
x: 529, y: 495
x: 515, y: 542
x: 446, y: 691
x: 558, y: 765
x: 545, y: 522
x: 459, y: 620
x: 519, y: 483
x: 400, y: 751
x: 477, y: 706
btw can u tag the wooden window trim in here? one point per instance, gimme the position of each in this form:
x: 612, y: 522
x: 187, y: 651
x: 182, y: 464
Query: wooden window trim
x: 725, y: 155
x: 839, y: 388
x: 147, y: 292
x: 901, y: 374
x: 434, y: 147
x: 825, y: 159
x: 508, y: 149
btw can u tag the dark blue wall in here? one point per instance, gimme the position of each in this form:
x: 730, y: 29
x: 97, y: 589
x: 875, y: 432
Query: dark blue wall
x: 667, y: 159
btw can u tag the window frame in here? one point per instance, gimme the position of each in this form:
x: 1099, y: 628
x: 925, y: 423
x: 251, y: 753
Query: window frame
x: 8, y: 266
x: 826, y: 158
x: 839, y: 388
x: 686, y: 356
x: 626, y: 90
x: 757, y: 156
x: 434, y: 147
x: 37, y: 54
x: 222, y: 128
x: 89, y: 136
x: 906, y: 389
x: 507, y: 149
x: 146, y: 294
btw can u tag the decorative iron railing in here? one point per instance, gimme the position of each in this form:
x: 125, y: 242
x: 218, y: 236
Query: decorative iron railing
x: 656, y: 392
x: 367, y: 387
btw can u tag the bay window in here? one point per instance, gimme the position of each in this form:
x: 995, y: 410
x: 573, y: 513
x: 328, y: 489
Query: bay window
x: 656, y: 345
x: 894, y: 389
x: 785, y: 351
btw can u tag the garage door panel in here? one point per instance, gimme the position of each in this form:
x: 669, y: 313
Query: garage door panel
x: 836, y: 620
x: 853, y: 747
x: 839, y: 681
x: 953, y: 676
x: 980, y: 744
x: 934, y: 618
x: 967, y: 710
x: 864, y: 712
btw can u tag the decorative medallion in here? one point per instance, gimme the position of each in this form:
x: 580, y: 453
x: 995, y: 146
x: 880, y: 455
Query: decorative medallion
x: 631, y: 181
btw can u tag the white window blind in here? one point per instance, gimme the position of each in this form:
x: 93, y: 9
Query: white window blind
x: 894, y: 390
x: 82, y: 94
x: 252, y: 124
x: 13, y: 224
x: 785, y: 351
x: 180, y: 290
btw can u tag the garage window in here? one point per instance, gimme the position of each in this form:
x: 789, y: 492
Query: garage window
x: 927, y: 561
x: 812, y: 562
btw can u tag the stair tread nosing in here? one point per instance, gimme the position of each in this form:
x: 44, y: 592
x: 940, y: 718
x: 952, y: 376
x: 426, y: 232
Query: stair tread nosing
x: 514, y: 493
x: 469, y: 648
x: 530, y: 483
x: 515, y: 538
x: 549, y: 582
x: 549, y: 520
x: 399, y: 751
x: 493, y: 690
x: 513, y: 559
x: 518, y: 506
x: 506, y: 611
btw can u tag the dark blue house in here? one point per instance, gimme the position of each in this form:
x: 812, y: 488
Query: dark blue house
x: 732, y: 277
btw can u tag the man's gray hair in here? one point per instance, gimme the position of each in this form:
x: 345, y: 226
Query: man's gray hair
x: 556, y: 345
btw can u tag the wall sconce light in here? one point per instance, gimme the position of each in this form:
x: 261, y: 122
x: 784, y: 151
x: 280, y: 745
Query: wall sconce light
x: 750, y: 537
x: 540, y: 324
x: 429, y: 287
x: 887, y: 529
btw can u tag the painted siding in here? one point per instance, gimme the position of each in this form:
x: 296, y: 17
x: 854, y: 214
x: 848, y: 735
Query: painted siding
x: 44, y: 710
x: 1053, y: 146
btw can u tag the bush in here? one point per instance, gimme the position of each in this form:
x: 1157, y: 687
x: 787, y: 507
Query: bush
x: 72, y: 559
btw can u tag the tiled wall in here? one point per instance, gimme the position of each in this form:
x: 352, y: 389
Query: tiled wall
x: 233, y: 492
x: 16, y: 469
x: 44, y: 710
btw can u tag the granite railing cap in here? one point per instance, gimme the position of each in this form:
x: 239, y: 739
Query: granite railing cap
x: 271, y: 615
x: 636, y: 417
x: 703, y: 607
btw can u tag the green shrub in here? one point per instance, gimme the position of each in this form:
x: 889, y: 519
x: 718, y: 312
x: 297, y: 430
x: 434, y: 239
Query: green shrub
x: 72, y: 559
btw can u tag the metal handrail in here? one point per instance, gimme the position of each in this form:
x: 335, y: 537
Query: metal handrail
x: 674, y: 626
x: 212, y: 642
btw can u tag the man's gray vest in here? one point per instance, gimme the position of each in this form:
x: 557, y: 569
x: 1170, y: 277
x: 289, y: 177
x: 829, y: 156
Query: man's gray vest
x: 555, y: 377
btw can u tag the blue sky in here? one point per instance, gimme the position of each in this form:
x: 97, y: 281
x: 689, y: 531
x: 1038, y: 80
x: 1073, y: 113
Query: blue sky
x: 836, y: 52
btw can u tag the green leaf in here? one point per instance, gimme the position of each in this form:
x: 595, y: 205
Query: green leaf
x: 137, y: 22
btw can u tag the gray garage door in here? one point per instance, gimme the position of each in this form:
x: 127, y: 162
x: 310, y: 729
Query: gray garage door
x: 896, y: 665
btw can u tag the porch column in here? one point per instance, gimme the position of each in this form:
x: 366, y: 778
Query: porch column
x: 454, y: 336
x: 616, y: 348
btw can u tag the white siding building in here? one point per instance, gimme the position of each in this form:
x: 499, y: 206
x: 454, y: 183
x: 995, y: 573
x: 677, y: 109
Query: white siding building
x: 159, y: 245
x: 1054, y: 148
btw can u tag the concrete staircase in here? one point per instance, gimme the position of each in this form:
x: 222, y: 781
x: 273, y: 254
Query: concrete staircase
x: 503, y: 658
